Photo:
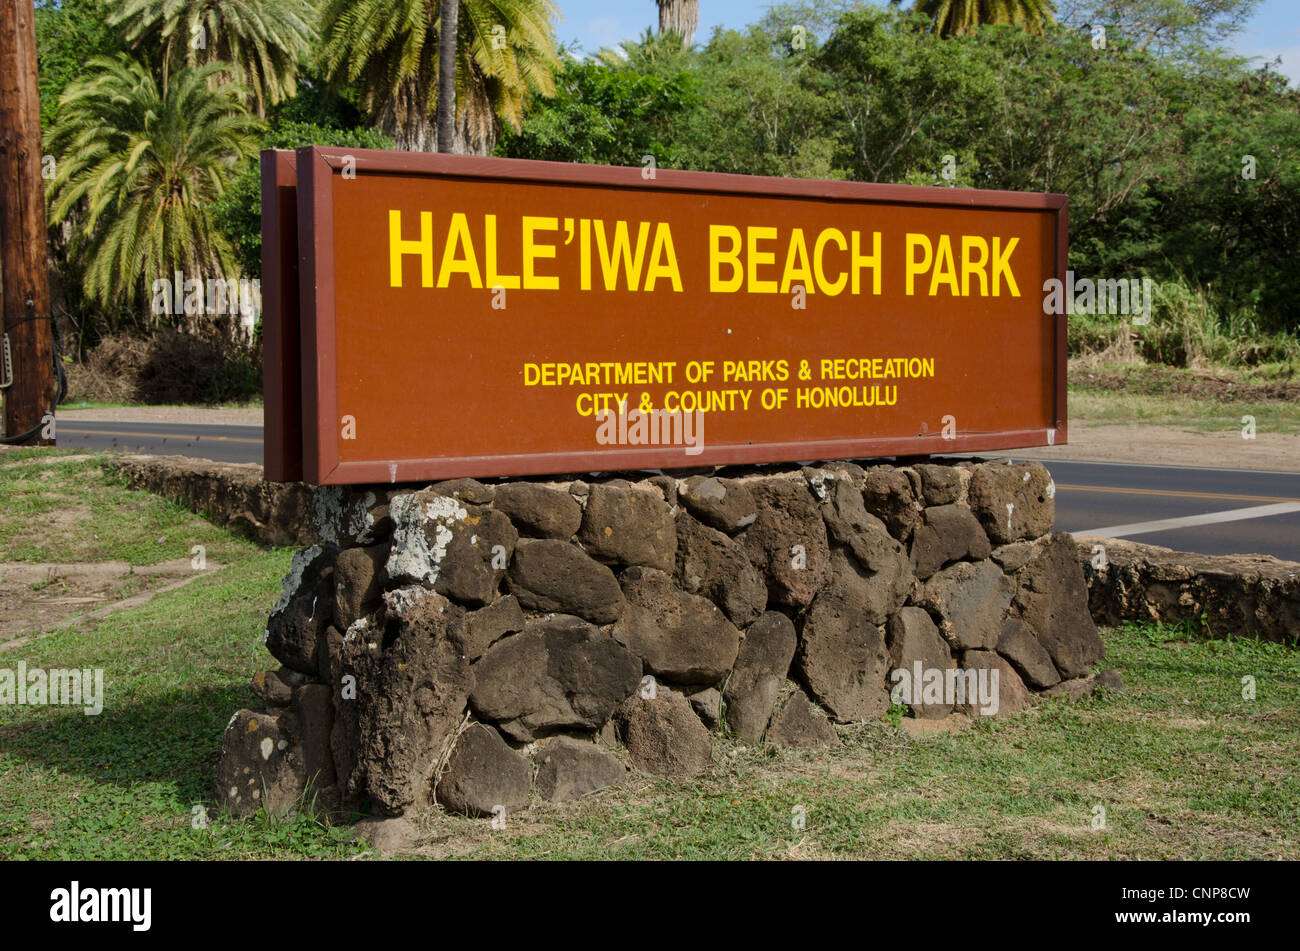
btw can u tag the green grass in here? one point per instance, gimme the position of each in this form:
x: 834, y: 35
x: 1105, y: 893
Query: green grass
x: 62, y: 511
x: 1183, y: 766
x: 125, y: 784
x: 1110, y: 407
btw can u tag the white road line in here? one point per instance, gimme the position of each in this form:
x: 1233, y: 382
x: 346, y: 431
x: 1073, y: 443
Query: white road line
x: 1190, y: 521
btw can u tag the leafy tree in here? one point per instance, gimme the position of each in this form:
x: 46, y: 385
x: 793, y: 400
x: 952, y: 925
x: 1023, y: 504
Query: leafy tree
x: 68, y: 32
x: 505, y: 50
x: 764, y: 110
x: 238, y: 212
x: 1168, y: 27
x: 602, y: 116
x: 139, y: 165
x: 904, y: 98
x: 262, y: 41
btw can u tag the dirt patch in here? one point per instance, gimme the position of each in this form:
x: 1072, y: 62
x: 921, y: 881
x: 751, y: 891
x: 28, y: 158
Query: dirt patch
x: 43, y: 596
x: 1153, y: 445
x: 1192, y: 384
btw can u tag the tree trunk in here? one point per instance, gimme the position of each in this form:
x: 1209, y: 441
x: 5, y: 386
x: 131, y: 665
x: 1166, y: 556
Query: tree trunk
x: 680, y: 16
x: 404, y: 118
x: 450, y: 10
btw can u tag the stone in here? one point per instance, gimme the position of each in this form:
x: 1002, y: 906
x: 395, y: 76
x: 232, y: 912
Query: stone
x: 841, y: 654
x: 714, y: 566
x: 291, y: 678
x: 628, y: 525
x: 940, y: 485
x: 484, y: 776
x: 539, y: 511
x: 1014, y: 556
x: 388, y: 837
x: 849, y: 524
x: 460, y: 551
x: 304, y: 610
x: 787, y: 542
x: 724, y: 505
x: 1076, y: 688
x: 971, y: 600
x: 558, y: 673
x: 551, y: 575
x: 1030, y: 659
x: 878, y: 593
x: 1011, y: 694
x: 329, y: 659
x: 912, y: 638
x: 681, y: 637
x: 477, y: 557
x: 1053, y: 600
x: 888, y: 495
x: 475, y: 631
x: 569, y: 769
x: 260, y: 766
x: 358, y: 582
x: 1254, y: 596
x: 667, y: 487
x: 270, y: 689
x: 820, y: 481
x: 1013, y: 501
x: 410, y: 699
x: 707, y: 704
x: 1109, y: 680
x: 466, y: 490
x: 796, y: 726
x: 761, y: 668
x: 947, y: 533
x: 663, y: 735
x: 313, y: 711
x: 344, y: 516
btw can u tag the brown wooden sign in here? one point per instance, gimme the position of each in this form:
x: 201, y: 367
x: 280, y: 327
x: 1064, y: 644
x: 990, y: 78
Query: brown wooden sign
x: 463, y: 316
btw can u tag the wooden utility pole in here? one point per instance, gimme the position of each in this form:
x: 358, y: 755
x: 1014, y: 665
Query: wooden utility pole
x: 24, y: 279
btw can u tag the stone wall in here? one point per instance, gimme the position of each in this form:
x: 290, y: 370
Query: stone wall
x: 1235, y: 595
x: 478, y: 644
x: 232, y: 495
x: 1222, y: 595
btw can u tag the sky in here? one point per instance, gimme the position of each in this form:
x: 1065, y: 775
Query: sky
x: 1273, y: 31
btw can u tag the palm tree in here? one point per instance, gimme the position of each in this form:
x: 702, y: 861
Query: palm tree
x: 679, y: 16
x: 448, y: 14
x: 139, y: 165
x: 264, y: 40
x: 505, y: 53
x: 962, y: 16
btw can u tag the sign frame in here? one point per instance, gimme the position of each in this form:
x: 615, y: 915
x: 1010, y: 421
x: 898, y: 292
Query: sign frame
x: 301, y: 179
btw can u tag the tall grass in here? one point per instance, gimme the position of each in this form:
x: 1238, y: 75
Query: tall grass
x: 1187, y: 329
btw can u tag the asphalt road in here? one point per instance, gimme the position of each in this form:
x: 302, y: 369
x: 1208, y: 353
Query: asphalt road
x: 1213, y: 511
x: 222, y: 443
